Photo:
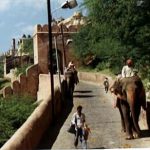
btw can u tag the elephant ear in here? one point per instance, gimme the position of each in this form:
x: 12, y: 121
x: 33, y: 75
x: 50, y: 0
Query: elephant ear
x: 120, y: 85
x: 123, y: 84
x: 117, y: 87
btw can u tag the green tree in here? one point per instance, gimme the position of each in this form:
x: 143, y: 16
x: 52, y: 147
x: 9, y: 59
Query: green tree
x: 117, y: 30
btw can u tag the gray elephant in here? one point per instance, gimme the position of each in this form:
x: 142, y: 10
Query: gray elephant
x: 71, y: 79
x: 131, y: 97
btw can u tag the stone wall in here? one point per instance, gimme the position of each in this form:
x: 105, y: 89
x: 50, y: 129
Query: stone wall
x: 32, y: 77
x: 44, y: 88
x: 26, y: 84
x: 94, y: 77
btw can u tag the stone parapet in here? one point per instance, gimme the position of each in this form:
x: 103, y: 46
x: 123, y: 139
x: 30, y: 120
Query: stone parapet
x: 16, y: 87
x: 26, y: 84
x: 44, y: 88
x: 32, y: 76
x: 40, y: 28
x: 23, y: 84
x: 94, y: 77
x: 55, y: 29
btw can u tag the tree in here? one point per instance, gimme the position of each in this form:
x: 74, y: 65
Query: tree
x: 117, y: 29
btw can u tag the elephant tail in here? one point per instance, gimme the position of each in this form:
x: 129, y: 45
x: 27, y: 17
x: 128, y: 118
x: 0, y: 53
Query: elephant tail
x: 143, y: 99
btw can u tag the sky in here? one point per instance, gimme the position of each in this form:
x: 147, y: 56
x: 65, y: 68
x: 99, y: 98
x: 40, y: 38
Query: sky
x: 18, y: 17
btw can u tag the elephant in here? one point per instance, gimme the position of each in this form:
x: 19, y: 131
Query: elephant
x: 71, y: 79
x: 131, y: 97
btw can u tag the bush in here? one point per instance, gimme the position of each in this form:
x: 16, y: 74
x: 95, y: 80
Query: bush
x: 102, y: 66
x: 4, y: 82
x: 13, y: 113
x: 22, y: 69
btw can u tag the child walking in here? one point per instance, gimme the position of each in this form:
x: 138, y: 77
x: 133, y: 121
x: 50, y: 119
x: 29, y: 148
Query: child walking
x: 106, y: 84
x: 86, y: 130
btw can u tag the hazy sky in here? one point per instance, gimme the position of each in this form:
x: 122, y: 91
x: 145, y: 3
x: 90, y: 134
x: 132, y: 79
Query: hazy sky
x: 18, y: 17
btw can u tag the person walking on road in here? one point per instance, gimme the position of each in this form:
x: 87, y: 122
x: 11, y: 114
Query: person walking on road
x: 106, y: 84
x: 86, y: 130
x: 78, y: 119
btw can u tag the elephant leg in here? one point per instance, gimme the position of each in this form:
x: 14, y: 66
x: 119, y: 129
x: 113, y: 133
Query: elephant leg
x: 136, y: 130
x: 68, y: 87
x: 135, y: 133
x: 121, y: 115
x: 71, y: 91
x: 127, y: 119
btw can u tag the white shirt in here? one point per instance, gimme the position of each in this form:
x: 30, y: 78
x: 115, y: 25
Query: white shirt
x: 79, y: 120
x: 127, y: 71
x: 70, y: 65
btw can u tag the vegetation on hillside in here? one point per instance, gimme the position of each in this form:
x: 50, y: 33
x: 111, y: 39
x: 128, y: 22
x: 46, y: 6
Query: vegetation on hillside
x: 22, y: 69
x: 13, y: 113
x: 116, y: 30
x: 4, y: 82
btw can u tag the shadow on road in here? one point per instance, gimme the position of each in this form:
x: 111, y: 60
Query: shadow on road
x: 98, y: 148
x: 82, y: 91
x: 83, y: 96
x: 53, y: 131
x: 145, y: 133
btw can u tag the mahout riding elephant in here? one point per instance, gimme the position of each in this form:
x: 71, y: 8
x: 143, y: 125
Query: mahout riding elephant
x: 131, y: 97
x: 71, y: 79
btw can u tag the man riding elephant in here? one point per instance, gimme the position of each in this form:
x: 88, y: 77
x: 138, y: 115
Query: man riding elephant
x: 131, y: 97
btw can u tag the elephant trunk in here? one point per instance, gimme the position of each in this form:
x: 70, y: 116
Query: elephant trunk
x: 135, y: 112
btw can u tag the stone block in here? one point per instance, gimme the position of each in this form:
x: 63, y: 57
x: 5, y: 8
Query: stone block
x: 39, y: 28
x: 32, y: 80
x: 16, y: 87
x: 45, y: 28
x: 7, y: 91
x: 23, y: 84
x: 55, y: 28
x: 44, y: 89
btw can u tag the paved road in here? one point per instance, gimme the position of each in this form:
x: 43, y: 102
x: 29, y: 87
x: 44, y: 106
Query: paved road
x: 103, y: 120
